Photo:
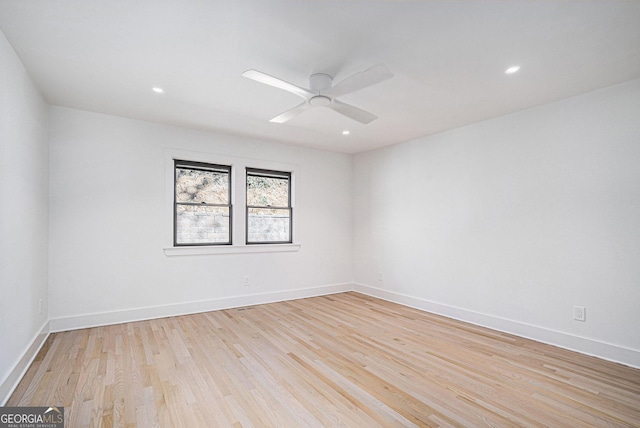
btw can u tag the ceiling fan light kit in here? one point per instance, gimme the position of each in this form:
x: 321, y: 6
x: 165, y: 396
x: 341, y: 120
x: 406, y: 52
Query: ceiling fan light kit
x: 323, y: 94
x: 320, y: 101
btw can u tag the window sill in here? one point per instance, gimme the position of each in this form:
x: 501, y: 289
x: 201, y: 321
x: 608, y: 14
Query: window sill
x: 231, y: 249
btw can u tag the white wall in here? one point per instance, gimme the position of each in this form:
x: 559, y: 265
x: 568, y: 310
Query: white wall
x: 513, y: 221
x: 23, y: 217
x: 109, y: 222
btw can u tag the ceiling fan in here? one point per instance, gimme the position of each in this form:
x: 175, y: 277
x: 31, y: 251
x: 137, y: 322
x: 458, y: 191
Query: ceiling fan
x: 323, y: 94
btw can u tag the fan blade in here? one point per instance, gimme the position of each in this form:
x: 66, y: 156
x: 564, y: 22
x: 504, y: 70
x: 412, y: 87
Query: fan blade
x: 291, y: 113
x: 360, y: 80
x: 353, y: 112
x: 261, y: 77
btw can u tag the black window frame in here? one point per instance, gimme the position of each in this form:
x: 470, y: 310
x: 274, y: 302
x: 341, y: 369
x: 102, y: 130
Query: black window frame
x: 269, y: 173
x: 201, y: 166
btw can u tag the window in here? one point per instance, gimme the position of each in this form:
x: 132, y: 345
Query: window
x: 202, y: 204
x: 269, y: 209
x: 206, y: 201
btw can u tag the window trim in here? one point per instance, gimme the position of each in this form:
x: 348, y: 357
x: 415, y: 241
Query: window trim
x: 258, y: 172
x: 238, y: 200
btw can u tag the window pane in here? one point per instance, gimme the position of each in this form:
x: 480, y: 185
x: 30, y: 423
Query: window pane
x: 267, y: 191
x: 268, y: 225
x: 211, y: 187
x: 201, y: 224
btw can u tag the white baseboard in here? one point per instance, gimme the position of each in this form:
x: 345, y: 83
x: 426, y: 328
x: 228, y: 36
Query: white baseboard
x: 151, y: 312
x: 606, y: 351
x: 9, y: 384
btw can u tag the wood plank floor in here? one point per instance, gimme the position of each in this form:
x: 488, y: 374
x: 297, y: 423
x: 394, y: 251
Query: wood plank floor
x: 340, y: 360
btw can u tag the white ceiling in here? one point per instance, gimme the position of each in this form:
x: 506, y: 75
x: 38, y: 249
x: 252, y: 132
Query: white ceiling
x: 448, y: 58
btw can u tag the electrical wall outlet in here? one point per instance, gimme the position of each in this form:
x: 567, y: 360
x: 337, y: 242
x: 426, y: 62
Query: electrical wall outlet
x: 379, y: 276
x: 579, y: 313
x: 246, y: 281
x: 40, y: 306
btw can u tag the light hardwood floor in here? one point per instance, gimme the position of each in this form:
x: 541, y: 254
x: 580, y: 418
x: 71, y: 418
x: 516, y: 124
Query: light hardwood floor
x: 339, y: 360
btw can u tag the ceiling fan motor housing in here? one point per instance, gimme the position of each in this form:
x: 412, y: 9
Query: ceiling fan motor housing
x: 319, y: 82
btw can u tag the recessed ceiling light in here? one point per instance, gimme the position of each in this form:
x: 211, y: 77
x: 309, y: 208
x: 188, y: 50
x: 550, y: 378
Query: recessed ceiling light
x: 346, y: 132
x: 512, y: 69
x: 158, y: 90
